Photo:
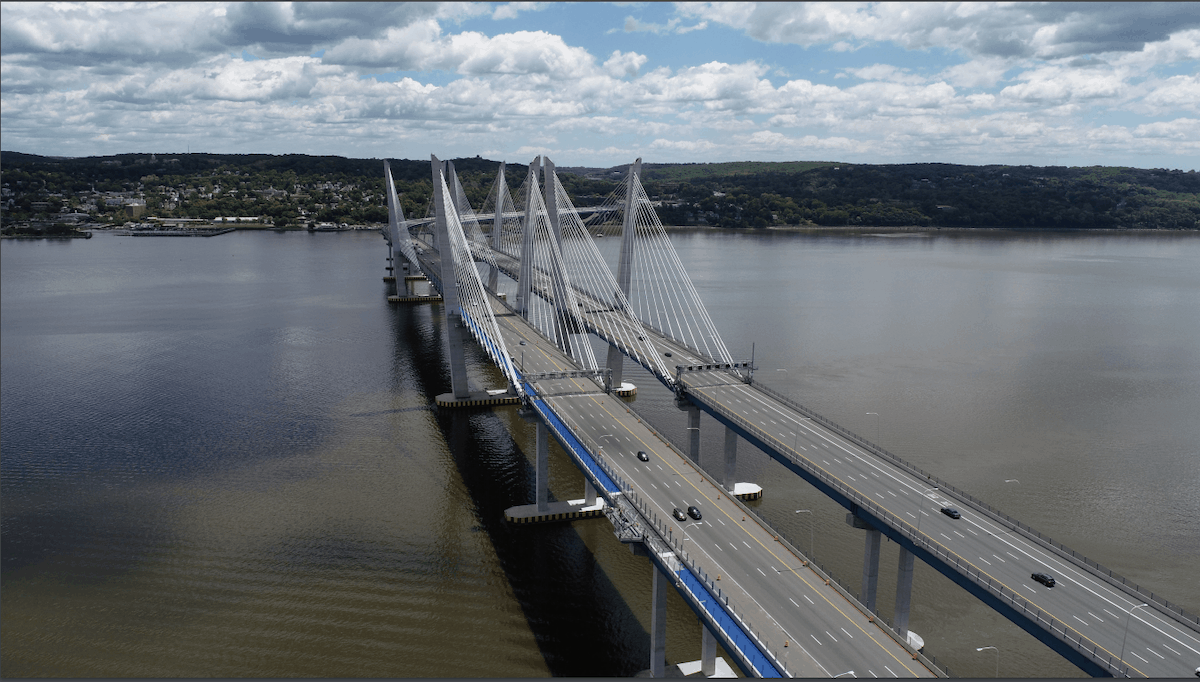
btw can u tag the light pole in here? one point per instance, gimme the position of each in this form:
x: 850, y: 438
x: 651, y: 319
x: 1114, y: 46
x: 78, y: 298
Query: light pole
x: 1011, y: 480
x: 876, y: 426
x: 985, y: 648
x: 810, y: 530
x: 1128, y: 617
x: 919, y: 512
x: 848, y: 672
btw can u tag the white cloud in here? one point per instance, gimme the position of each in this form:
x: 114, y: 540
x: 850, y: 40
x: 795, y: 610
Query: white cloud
x: 979, y: 29
x: 1005, y: 81
x: 885, y: 72
x: 683, y: 145
x: 512, y: 9
x: 621, y: 64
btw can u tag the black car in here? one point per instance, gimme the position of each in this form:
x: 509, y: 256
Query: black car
x: 1044, y: 578
x: 668, y: 354
x: 694, y: 513
x: 951, y: 512
x: 679, y: 516
x: 643, y: 456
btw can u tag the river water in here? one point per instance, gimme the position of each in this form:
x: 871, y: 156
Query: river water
x: 220, y: 457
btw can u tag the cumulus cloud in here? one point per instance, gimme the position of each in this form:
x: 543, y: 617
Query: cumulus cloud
x: 978, y: 29
x: 1016, y: 81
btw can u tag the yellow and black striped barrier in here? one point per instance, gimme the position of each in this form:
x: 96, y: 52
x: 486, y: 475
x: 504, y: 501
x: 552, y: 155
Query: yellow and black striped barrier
x: 548, y: 517
x: 414, y: 299
x: 448, y: 400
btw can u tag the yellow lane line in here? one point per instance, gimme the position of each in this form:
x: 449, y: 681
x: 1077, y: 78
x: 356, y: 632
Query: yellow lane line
x: 783, y: 447
x: 760, y: 543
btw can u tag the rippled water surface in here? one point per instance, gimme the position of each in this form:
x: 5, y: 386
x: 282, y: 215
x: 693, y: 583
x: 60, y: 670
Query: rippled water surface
x: 220, y: 457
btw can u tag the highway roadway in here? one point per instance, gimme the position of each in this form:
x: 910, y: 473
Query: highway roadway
x: 1142, y: 640
x: 826, y: 633
x: 1150, y: 641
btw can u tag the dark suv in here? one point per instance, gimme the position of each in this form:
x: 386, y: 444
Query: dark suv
x: 951, y: 512
x: 1044, y: 578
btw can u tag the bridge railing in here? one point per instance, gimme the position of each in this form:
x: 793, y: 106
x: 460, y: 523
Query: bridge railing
x: 1060, y: 629
x: 1114, y: 578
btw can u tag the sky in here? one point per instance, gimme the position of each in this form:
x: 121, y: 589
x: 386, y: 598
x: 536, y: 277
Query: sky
x: 599, y: 84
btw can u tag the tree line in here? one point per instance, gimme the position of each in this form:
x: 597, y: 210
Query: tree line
x: 295, y: 188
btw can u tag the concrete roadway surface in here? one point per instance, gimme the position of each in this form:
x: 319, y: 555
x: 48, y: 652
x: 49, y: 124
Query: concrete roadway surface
x: 826, y: 634
x: 1157, y: 645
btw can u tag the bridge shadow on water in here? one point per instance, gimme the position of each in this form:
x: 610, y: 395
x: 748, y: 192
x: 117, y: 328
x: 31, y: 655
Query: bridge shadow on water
x: 582, y: 624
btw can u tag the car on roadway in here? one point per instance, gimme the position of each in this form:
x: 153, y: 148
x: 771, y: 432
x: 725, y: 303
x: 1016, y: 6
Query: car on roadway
x: 951, y: 512
x: 694, y: 513
x: 679, y: 516
x: 1044, y: 578
x: 522, y: 342
x: 668, y: 354
x: 643, y: 456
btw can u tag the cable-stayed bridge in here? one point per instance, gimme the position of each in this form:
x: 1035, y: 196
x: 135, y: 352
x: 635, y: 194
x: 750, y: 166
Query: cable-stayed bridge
x: 539, y: 284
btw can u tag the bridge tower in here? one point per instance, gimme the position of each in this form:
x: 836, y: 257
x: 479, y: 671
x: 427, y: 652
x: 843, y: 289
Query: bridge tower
x: 616, y: 359
x: 498, y: 212
x: 525, y: 276
x: 451, y: 304
x: 567, y: 324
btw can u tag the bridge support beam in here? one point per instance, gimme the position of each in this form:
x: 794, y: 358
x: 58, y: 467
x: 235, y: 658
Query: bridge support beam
x: 904, y: 579
x: 870, y: 580
x: 658, y: 623
x: 729, y: 471
x: 542, y: 467
x: 589, y: 492
x: 708, y: 651
x: 870, y: 583
x: 693, y: 413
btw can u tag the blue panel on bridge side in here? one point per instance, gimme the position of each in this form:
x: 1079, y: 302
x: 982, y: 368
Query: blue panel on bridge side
x: 736, y: 634
x: 571, y: 443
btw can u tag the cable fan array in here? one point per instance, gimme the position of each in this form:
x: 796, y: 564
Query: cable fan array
x: 397, y: 234
x: 661, y: 292
x: 565, y: 285
x: 474, y: 303
x: 550, y: 301
x: 605, y: 306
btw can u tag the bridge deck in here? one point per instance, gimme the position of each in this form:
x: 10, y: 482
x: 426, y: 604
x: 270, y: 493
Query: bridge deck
x: 1085, y: 610
x: 1084, y: 617
x: 765, y: 582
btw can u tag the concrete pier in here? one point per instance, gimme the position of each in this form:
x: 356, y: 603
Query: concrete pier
x: 497, y: 396
x: 555, y: 511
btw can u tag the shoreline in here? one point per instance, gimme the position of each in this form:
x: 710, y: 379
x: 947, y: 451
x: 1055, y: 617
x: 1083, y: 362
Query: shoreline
x: 915, y: 229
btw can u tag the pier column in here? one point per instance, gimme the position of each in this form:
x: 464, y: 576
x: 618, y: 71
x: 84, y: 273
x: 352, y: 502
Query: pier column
x: 729, y: 471
x: 693, y: 433
x: 589, y: 492
x: 904, y: 579
x: 658, y: 623
x: 543, y: 467
x: 708, y: 651
x: 870, y: 583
